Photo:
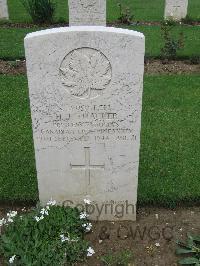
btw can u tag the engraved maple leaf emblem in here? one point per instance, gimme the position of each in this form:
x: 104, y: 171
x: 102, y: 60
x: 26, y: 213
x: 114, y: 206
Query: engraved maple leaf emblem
x: 85, y: 71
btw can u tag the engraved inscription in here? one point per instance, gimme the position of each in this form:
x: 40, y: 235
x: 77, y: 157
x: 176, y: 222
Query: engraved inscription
x: 87, y: 3
x: 85, y: 73
x: 88, y: 166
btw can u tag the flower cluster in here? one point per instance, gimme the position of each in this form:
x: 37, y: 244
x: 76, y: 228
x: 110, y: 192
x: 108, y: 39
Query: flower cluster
x: 68, y: 239
x: 51, y: 203
x: 10, y: 215
x: 87, y: 201
x: 90, y: 252
x: 11, y: 260
x: 45, y: 211
x: 2, y: 221
x: 83, y: 215
x: 87, y: 227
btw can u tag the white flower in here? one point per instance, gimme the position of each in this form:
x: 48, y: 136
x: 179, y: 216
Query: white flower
x: 87, y: 201
x: 11, y: 260
x: 42, y: 211
x: 90, y: 252
x: 87, y: 226
x: 37, y: 218
x: 63, y: 238
x: 83, y: 215
x: 157, y: 244
x: 10, y: 220
x: 51, y: 202
x: 2, y: 221
x: 12, y: 214
x: 74, y: 240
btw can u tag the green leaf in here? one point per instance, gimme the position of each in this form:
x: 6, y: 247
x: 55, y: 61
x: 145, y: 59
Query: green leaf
x: 188, y: 261
x: 196, y: 238
x: 184, y: 251
x: 190, y: 241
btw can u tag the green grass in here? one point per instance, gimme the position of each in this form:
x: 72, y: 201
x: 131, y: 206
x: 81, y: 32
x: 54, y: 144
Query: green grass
x: 12, y: 43
x: 143, y: 10
x: 17, y: 169
x: 154, y: 42
x: 18, y: 13
x: 170, y: 148
x: 193, y: 9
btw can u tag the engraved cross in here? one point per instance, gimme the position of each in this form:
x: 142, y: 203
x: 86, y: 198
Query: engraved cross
x: 87, y: 167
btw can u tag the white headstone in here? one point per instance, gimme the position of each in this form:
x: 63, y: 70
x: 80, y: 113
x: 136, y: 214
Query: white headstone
x: 3, y: 9
x: 176, y: 9
x: 87, y: 12
x: 85, y: 88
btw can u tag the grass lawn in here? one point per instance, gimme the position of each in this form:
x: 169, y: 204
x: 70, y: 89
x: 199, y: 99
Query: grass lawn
x: 12, y: 47
x: 145, y: 10
x: 170, y: 148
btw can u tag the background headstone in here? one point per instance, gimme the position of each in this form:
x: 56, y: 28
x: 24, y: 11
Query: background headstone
x: 176, y: 9
x: 87, y: 12
x: 4, y: 9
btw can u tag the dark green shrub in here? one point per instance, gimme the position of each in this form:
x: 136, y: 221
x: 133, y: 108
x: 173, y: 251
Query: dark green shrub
x: 41, y: 11
x: 125, y: 16
x: 171, y: 44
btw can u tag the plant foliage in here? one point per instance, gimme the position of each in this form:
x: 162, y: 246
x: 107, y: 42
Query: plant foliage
x: 125, y: 17
x: 41, y: 11
x: 124, y: 257
x: 190, y: 248
x: 171, y: 44
x: 44, y: 236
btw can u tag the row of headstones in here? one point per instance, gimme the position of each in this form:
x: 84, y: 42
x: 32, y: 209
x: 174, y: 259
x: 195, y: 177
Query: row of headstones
x: 174, y: 9
x: 85, y: 89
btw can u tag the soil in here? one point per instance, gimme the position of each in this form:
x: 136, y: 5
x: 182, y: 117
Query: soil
x: 155, y: 245
x: 151, y: 67
x: 171, y: 67
x: 114, y: 24
x: 151, y: 239
x: 12, y: 67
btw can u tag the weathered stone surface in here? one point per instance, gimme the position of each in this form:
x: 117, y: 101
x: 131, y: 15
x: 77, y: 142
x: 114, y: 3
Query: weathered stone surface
x: 85, y: 87
x: 3, y: 9
x: 176, y: 9
x: 87, y: 12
